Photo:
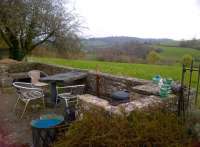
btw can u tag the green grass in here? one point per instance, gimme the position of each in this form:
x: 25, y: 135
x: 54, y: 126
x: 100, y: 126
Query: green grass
x: 144, y: 71
x: 176, y: 53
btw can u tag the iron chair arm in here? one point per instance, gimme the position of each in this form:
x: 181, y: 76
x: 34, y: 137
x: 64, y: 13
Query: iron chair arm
x: 26, y: 86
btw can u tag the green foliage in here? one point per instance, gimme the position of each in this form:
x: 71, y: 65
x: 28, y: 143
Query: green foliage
x: 98, y: 128
x: 187, y: 60
x: 153, y: 57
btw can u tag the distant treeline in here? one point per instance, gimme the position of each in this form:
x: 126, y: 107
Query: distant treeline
x: 194, y: 43
x: 69, y: 47
x: 127, y: 52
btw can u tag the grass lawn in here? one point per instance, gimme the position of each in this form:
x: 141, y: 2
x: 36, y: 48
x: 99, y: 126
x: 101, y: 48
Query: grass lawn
x: 144, y: 71
x: 176, y: 53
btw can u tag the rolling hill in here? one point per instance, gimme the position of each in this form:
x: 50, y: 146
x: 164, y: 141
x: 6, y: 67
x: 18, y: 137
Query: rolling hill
x: 105, y: 42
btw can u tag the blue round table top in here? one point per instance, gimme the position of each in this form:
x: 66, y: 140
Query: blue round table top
x: 47, y: 122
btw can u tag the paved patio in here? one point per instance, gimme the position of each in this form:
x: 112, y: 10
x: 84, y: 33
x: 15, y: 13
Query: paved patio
x: 14, y: 130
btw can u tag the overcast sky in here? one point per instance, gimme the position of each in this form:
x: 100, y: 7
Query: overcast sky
x: 176, y: 19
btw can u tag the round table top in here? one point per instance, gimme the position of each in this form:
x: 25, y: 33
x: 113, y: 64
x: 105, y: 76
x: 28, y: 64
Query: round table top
x: 47, y: 121
x: 120, y: 95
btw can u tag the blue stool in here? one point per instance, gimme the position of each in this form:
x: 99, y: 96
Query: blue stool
x: 43, y: 130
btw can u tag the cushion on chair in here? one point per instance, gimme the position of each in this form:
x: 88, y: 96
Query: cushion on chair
x: 40, y: 84
x: 35, y: 76
x: 32, y: 94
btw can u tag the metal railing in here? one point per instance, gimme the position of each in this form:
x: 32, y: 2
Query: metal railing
x: 184, y: 101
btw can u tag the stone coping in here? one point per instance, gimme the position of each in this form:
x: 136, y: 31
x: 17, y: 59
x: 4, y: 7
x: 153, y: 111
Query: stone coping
x: 138, y: 104
x: 147, y: 89
x: 19, y: 75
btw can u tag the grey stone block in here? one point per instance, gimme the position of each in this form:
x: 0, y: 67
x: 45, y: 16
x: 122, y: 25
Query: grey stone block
x: 6, y: 82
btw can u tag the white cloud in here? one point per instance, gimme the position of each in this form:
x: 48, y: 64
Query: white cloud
x: 175, y: 19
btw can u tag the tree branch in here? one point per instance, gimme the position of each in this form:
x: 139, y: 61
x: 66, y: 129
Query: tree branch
x: 12, y: 37
x: 5, y: 38
x: 42, y: 41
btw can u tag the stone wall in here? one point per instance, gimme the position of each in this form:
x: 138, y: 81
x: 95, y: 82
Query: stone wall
x: 5, y: 80
x: 108, y: 83
x: 25, y: 67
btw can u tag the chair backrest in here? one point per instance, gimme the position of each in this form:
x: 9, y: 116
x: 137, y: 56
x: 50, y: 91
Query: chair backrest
x: 23, y: 86
x: 34, y: 75
x: 78, y: 89
x: 74, y: 89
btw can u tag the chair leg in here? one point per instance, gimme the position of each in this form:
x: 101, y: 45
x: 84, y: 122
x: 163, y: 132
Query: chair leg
x: 43, y: 102
x: 16, y: 104
x: 57, y: 99
x: 24, y: 109
x: 55, y: 105
x: 67, y: 103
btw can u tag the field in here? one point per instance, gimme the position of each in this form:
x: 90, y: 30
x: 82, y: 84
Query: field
x: 144, y: 71
x: 176, y: 53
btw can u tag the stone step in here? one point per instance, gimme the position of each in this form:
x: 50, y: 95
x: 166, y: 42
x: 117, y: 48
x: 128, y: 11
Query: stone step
x: 148, y: 89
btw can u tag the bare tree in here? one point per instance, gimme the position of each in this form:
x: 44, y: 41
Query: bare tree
x: 25, y: 24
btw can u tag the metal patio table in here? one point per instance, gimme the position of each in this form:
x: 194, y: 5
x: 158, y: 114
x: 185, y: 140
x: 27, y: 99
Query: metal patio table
x: 62, y: 77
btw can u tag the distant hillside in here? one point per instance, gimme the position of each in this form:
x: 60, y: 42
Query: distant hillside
x: 105, y: 42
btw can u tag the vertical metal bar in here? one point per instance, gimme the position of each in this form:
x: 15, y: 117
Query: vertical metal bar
x: 190, y: 80
x: 181, y: 98
x: 182, y: 92
x: 197, y: 89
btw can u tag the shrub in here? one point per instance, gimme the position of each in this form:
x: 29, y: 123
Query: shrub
x: 159, y: 50
x: 187, y: 59
x: 98, y: 128
x: 194, y: 123
x: 153, y: 57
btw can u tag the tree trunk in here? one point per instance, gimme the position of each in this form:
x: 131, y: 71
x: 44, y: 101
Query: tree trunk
x: 16, y: 54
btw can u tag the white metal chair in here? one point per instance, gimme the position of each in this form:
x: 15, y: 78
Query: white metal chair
x: 27, y: 92
x: 35, y: 75
x: 69, y: 94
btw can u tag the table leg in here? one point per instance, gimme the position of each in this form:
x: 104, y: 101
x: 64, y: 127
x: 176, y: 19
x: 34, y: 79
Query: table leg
x: 53, y: 92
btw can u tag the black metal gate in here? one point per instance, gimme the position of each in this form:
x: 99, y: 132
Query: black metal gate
x: 188, y: 88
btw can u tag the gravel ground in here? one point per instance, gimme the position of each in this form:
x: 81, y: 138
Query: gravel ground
x: 13, y: 130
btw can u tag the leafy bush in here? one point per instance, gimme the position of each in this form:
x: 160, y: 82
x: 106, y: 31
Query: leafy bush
x: 153, y: 57
x: 187, y: 59
x: 98, y: 128
x: 159, y: 50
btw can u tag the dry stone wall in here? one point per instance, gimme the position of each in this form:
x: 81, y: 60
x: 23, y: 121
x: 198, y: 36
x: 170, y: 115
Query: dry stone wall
x: 108, y: 83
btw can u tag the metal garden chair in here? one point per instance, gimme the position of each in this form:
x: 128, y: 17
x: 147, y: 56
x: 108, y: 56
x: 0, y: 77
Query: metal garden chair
x: 27, y: 92
x: 69, y: 93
